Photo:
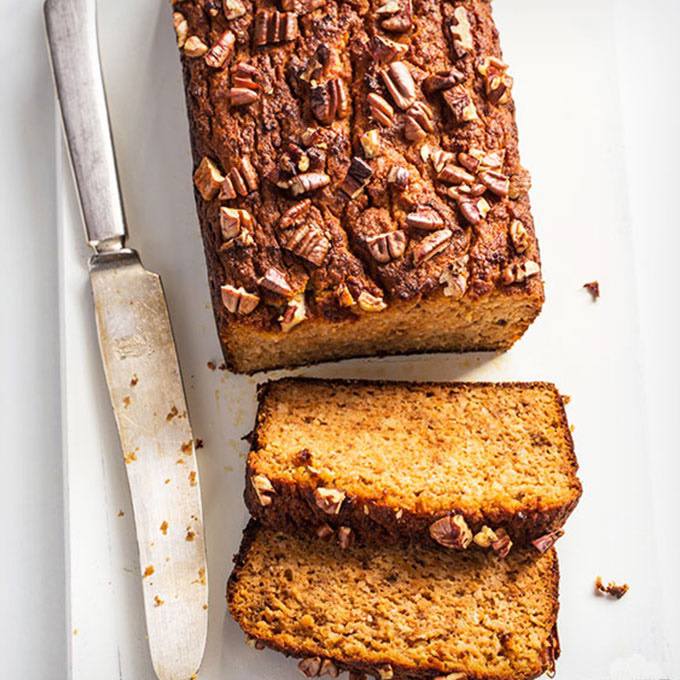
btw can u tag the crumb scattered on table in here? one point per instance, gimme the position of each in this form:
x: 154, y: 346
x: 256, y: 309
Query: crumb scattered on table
x: 198, y: 444
x: 613, y: 589
x: 148, y: 571
x: 212, y: 365
x: 157, y: 601
x: 593, y: 288
x: 164, y: 528
x: 192, y: 478
x: 134, y: 380
x: 129, y: 457
x: 172, y: 414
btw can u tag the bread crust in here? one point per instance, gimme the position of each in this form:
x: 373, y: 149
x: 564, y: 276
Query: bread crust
x: 293, y: 506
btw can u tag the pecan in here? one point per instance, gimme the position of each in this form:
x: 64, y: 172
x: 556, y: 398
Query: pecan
x: 370, y: 303
x: 593, y: 288
x: 227, y: 191
x: 221, y: 51
x: 295, y: 313
x: 451, y: 531
x: 329, y: 500
x: 308, y: 242
x: 310, y: 667
x: 302, y: 6
x: 442, y: 80
x: 357, y: 177
x: 233, y: 9
x: 275, y: 282
x: 233, y: 222
x: 426, y: 218
x: 485, y: 537
x: 496, y: 182
x: 294, y: 214
x: 370, y: 143
x: 344, y: 296
x: 474, y: 211
x: 611, y: 588
x: 263, y: 489
x: 460, y: 104
x: 380, y: 108
x: 194, y: 47
x: 385, y: 672
x: 181, y: 28
x: 344, y: 537
x: 431, y: 245
x: 273, y: 27
x: 520, y: 183
x: 440, y: 159
x: 399, y: 84
x: 329, y: 101
x: 501, y: 546
x: 208, y: 179
x: 213, y: 7
x: 239, y: 300
x: 399, y: 17
x: 308, y: 182
x: 240, y: 180
x: 544, y: 543
x: 245, y: 75
x: 469, y: 162
x: 497, y: 83
x: 328, y: 668
x: 398, y: 176
x: 519, y: 272
x: 454, y: 174
x: 460, y: 32
x: 241, y: 96
x: 419, y: 121
x: 384, y: 50
x: 455, y: 278
x: 324, y: 532
x: 387, y: 247
x: 519, y: 236
x: 452, y: 676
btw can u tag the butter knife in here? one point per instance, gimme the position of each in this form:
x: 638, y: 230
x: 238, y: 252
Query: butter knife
x: 140, y: 361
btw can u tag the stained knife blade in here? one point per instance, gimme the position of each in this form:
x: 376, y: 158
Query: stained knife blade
x: 140, y: 362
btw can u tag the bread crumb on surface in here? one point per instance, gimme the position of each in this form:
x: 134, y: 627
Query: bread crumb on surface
x: 164, y: 528
x: 613, y: 589
x: 134, y: 380
x: 211, y: 365
x: 148, y: 571
x: 593, y: 288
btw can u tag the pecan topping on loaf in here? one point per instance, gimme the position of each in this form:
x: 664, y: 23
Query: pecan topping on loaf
x: 451, y: 531
x: 221, y: 51
x: 399, y: 83
x: 388, y: 246
x: 310, y: 667
x: 501, y: 546
x: 461, y: 33
x: 396, y: 16
x: 208, y: 179
x: 194, y: 47
x: 233, y: 9
x: 239, y: 300
x: 485, y: 537
x: 272, y: 27
x: 381, y: 109
x: 329, y: 101
x: 181, y: 28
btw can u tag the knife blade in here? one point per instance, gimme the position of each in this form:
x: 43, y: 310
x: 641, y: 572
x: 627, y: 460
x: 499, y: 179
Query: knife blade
x: 140, y: 362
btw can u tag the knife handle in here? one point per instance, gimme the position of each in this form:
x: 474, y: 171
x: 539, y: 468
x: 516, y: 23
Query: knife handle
x: 72, y: 38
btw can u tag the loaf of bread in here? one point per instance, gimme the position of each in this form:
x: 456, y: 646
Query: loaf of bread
x: 462, y: 465
x: 397, y: 613
x: 357, y: 178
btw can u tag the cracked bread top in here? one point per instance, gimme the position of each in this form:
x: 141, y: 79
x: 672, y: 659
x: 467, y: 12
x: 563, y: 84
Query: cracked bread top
x: 351, y: 154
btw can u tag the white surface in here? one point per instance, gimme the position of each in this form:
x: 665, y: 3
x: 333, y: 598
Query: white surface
x: 32, y: 637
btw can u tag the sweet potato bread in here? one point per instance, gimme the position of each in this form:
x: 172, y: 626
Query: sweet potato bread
x: 462, y: 464
x: 357, y: 178
x: 397, y: 613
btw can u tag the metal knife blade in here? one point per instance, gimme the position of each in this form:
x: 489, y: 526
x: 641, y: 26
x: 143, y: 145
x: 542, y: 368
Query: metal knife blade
x: 140, y: 361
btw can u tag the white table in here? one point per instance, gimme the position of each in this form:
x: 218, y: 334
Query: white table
x: 32, y: 639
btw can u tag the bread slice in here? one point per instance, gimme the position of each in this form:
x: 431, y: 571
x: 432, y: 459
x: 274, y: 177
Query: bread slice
x: 397, y: 612
x: 392, y: 460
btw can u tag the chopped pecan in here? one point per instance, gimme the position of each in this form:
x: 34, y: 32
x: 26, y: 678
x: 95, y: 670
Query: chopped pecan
x: 310, y: 667
x: 496, y: 182
x: 442, y: 80
x: 370, y: 303
x: 245, y: 87
x: 460, y: 104
x: 344, y: 537
x: 308, y: 242
x: 613, y: 589
x: 384, y: 50
x: 263, y: 489
x: 208, y: 179
x: 233, y: 9
x: 544, y: 543
x: 328, y: 668
x: 398, y: 16
x: 292, y: 216
x: 440, y: 159
x: 213, y: 7
x: 485, y: 537
x: 497, y: 83
x: 433, y: 244
x: 454, y: 174
x: 593, y: 288
x: 461, y: 33
x: 241, y: 96
x: 520, y: 183
x: 329, y: 101
x: 221, y: 51
x: 519, y: 272
x: 386, y: 672
x: 275, y: 282
x: 240, y: 181
x: 419, y: 122
x: 295, y: 313
x: 400, y: 84
x: 519, y: 236
x: 426, y: 218
x: 474, y: 211
x: 381, y: 109
x: 239, y: 300
x: 455, y: 278
x: 181, y: 28
x: 370, y: 143
x: 469, y: 162
x: 301, y: 6
x: 329, y: 500
x: 387, y: 247
x: 273, y: 27
x: 194, y: 47
x: 451, y: 531
x: 233, y: 222
x: 358, y: 176
x: 344, y: 296
x: 308, y: 182
x: 501, y: 546
x: 398, y: 176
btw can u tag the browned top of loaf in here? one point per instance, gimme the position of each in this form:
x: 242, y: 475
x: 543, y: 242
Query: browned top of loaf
x: 327, y: 257
x: 494, y: 448
x: 423, y: 612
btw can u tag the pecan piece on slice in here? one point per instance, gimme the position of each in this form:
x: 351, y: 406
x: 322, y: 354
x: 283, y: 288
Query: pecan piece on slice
x: 275, y: 282
x: 236, y: 223
x: 181, y: 27
x: 485, y: 537
x: 454, y: 174
x: 519, y: 236
x: 497, y: 83
x: 398, y: 176
x: 294, y: 214
x: 329, y: 500
x: 426, y: 218
x: 501, y: 546
x: 310, y: 667
x: 474, y: 211
x: 308, y: 182
x: 329, y: 101
x: 399, y: 16
x: 221, y: 51
x: 455, y: 278
x: 496, y: 182
x: 370, y: 143
x: 344, y: 537
x: 241, y: 96
x: 328, y: 668
x: 233, y: 9
x: 387, y: 247
x: 442, y: 80
x: 302, y: 6
x: 461, y: 33
x: 399, y: 83
x: 613, y: 589
x: 208, y: 179
x: 544, y: 543
x: 239, y: 300
x: 273, y: 27
x: 194, y: 47
x: 419, y: 122
x: 370, y: 303
x: 295, y: 313
x: 380, y: 109
x: 308, y: 242
x: 519, y: 272
x: 460, y: 104
x: 451, y: 531
x: 384, y: 50
x: 520, y: 183
x: 433, y: 244
x: 358, y: 176
x: 263, y: 489
x: 386, y: 672
x: 440, y: 159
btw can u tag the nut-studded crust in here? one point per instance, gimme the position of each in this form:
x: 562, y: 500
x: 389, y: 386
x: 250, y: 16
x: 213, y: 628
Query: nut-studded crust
x: 359, y: 666
x: 294, y: 507
x: 281, y: 114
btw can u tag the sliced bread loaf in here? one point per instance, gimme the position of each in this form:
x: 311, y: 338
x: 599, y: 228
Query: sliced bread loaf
x: 460, y: 464
x: 397, y: 612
